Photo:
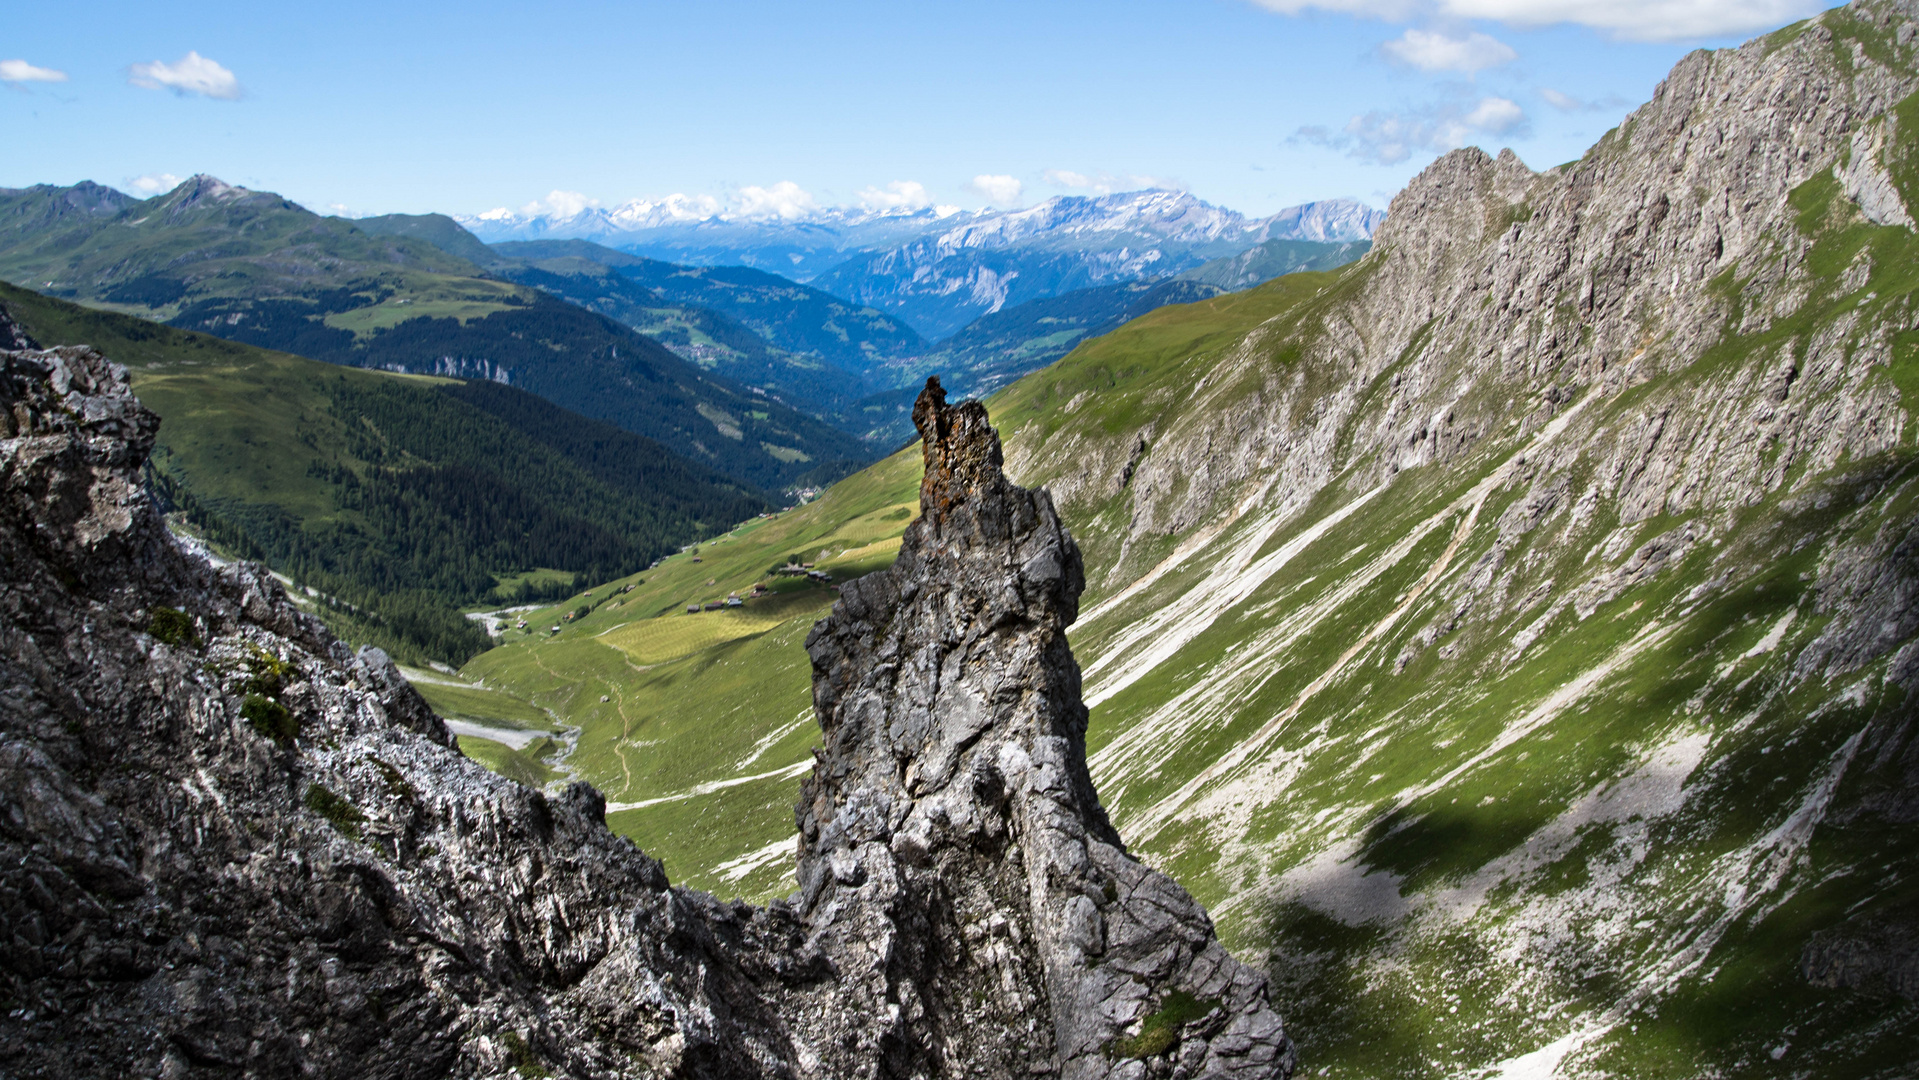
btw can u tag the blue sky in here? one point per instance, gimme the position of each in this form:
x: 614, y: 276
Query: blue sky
x: 1252, y: 104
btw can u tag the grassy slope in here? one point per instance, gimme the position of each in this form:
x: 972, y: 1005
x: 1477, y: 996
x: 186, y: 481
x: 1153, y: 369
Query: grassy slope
x: 1273, y: 258
x: 739, y: 683
x: 1581, y: 814
x: 1392, y: 790
x: 699, y: 700
x: 241, y: 240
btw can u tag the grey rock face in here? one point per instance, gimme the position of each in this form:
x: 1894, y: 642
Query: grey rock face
x: 230, y: 845
x: 958, y: 867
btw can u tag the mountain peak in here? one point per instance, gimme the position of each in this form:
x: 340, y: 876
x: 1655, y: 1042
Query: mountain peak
x: 207, y: 186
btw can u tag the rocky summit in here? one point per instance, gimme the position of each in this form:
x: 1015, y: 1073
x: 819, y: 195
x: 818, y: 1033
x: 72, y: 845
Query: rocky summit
x: 232, y: 845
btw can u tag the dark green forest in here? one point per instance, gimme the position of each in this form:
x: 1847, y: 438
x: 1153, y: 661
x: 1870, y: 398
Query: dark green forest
x: 575, y: 358
x: 399, y: 499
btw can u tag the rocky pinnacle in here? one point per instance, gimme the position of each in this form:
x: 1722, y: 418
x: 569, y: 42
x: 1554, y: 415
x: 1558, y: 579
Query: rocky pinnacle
x: 956, y: 864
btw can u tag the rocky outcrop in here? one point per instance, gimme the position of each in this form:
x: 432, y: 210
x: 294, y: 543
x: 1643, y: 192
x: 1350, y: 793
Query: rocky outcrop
x: 957, y: 865
x: 231, y: 845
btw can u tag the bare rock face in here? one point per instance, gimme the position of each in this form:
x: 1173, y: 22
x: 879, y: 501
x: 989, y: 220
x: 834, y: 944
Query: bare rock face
x: 957, y: 866
x: 232, y: 846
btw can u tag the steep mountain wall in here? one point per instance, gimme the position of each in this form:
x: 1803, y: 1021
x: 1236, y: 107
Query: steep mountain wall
x: 228, y: 843
x: 1512, y: 634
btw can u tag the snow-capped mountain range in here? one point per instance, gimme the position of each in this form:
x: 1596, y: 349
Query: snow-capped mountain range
x: 803, y: 242
x: 945, y: 279
x: 939, y: 268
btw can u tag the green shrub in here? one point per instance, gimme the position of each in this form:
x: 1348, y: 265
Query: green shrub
x: 396, y: 781
x: 266, y: 673
x: 339, y: 813
x: 271, y: 719
x: 1159, y: 1032
x: 171, y: 626
x: 525, y: 1061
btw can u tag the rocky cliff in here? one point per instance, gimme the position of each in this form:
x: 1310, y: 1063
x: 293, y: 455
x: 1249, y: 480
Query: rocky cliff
x: 230, y: 845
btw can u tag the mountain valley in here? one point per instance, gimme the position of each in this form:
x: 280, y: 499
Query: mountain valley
x: 397, y: 498
x: 1509, y: 635
x: 1475, y: 640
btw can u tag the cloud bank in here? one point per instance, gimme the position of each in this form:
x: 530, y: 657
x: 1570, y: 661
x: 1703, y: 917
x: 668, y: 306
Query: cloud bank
x: 996, y: 188
x: 191, y: 74
x: 784, y: 200
x: 1388, y: 138
x: 900, y: 195
x: 559, y: 204
x: 152, y: 183
x: 1107, y: 183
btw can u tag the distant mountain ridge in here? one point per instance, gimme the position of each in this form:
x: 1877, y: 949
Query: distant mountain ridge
x: 809, y: 245
x: 799, y: 248
x: 791, y: 316
x: 255, y: 267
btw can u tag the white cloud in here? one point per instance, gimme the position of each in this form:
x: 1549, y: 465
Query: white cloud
x: 1107, y: 183
x: 1066, y: 178
x: 997, y: 188
x: 19, y: 71
x: 898, y: 195
x: 1567, y: 103
x: 559, y: 204
x: 153, y: 183
x: 1642, y: 20
x: 690, y: 207
x: 1388, y: 138
x: 192, y: 74
x: 1430, y: 50
x: 1494, y: 116
x: 785, y: 200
